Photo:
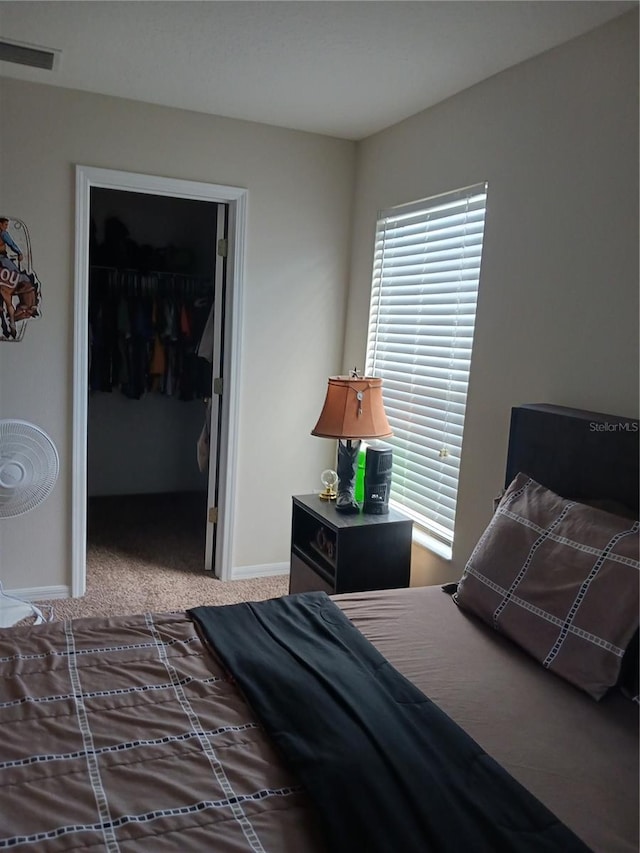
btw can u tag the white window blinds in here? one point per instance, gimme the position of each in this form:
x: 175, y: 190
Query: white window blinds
x: 423, y: 303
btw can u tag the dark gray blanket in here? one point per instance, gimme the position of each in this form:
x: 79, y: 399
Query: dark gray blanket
x: 386, y: 768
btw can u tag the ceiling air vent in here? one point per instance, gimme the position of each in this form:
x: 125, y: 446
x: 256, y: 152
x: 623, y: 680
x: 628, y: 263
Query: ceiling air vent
x: 27, y: 54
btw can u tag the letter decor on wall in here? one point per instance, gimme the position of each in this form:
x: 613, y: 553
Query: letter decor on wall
x: 19, y: 285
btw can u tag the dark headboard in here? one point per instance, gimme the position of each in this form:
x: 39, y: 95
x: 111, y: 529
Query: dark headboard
x: 577, y: 454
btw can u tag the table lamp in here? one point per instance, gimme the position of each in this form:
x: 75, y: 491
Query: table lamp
x: 353, y: 410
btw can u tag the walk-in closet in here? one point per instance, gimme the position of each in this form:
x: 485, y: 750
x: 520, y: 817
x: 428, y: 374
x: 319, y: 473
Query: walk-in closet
x: 151, y: 291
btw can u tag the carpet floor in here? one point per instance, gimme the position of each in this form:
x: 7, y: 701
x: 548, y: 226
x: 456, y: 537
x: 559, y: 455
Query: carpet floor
x: 145, y: 553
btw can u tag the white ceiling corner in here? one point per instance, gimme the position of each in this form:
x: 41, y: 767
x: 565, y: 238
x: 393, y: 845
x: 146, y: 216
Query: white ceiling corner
x: 346, y: 69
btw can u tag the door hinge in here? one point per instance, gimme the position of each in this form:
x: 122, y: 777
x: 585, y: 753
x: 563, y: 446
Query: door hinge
x: 213, y: 515
x: 223, y: 247
x: 217, y: 385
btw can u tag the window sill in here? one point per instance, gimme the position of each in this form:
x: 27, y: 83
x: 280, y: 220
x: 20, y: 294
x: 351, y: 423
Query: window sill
x: 425, y: 540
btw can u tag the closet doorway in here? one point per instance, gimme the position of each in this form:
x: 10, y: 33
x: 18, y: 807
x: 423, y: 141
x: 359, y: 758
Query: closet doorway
x: 157, y: 286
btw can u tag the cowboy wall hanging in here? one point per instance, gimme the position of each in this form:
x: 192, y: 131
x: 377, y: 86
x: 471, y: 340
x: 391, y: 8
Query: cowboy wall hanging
x: 19, y: 285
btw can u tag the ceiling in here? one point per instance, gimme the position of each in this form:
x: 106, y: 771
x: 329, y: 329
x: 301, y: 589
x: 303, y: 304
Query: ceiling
x: 345, y: 69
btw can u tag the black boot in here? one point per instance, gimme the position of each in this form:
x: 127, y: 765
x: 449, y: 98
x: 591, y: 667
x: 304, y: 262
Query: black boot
x: 347, y: 459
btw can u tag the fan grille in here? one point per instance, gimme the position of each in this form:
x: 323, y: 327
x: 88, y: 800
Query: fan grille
x: 29, y: 467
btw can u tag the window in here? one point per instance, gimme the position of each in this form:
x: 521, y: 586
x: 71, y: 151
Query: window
x: 423, y: 302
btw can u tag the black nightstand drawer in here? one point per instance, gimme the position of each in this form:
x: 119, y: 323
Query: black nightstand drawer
x: 305, y: 579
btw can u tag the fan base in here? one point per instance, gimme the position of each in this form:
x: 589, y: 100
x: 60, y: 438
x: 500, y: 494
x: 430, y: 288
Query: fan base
x: 13, y: 611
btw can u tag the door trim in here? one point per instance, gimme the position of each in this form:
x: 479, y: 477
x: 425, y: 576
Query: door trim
x: 214, y: 409
x: 236, y: 197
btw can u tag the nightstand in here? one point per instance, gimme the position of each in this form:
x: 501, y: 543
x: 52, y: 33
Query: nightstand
x: 347, y: 553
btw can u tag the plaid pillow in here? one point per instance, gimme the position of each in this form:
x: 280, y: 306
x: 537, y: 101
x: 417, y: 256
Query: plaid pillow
x: 560, y: 579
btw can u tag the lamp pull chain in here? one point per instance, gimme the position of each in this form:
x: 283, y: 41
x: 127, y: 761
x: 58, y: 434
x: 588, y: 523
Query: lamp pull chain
x: 359, y: 396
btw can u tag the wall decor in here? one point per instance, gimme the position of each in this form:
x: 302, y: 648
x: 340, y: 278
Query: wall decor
x: 19, y: 285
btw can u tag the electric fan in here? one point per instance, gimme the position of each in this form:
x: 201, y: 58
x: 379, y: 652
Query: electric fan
x: 29, y: 468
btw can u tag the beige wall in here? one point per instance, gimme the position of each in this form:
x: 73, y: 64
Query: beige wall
x: 557, y: 140
x: 298, y: 235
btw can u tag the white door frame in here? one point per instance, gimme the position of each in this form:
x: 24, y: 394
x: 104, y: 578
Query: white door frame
x: 236, y: 197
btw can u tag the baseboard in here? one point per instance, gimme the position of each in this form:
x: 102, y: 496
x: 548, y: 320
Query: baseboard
x: 45, y: 593
x: 262, y: 571
x: 40, y: 593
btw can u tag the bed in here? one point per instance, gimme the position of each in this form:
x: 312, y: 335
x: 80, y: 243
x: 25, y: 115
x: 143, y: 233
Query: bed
x: 133, y: 733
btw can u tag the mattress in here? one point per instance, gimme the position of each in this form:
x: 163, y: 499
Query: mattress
x: 126, y: 733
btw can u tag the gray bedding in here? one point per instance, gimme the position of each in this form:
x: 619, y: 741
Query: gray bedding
x: 127, y: 734
x: 578, y: 756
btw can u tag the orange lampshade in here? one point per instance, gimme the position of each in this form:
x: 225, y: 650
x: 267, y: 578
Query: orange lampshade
x: 353, y: 409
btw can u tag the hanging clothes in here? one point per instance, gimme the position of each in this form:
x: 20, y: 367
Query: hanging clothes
x: 145, y: 330
x: 204, y: 441
x: 205, y: 347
